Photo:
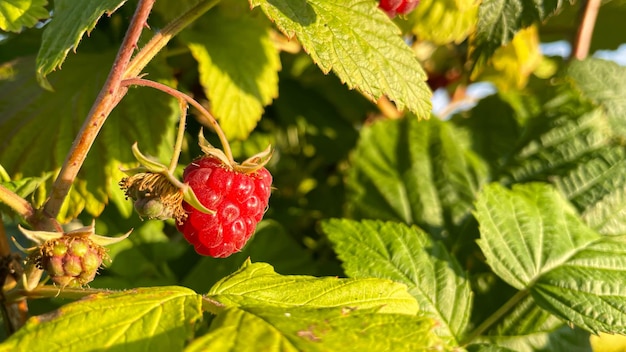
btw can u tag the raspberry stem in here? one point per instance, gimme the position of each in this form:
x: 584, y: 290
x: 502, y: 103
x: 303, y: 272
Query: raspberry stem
x: 180, y: 95
x: 180, y: 135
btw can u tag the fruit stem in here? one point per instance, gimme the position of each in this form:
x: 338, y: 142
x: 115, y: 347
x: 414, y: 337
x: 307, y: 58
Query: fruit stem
x: 179, y: 136
x: 110, y: 94
x: 180, y: 95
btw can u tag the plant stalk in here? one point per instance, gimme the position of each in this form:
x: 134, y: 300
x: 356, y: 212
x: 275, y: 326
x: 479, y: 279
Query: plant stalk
x: 112, y: 92
x: 178, y: 145
x: 180, y: 95
x: 17, y: 203
x: 585, y: 30
x: 107, y: 99
x: 161, y: 39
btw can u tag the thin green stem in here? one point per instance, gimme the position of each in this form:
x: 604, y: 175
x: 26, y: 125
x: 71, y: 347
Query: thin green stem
x: 179, y: 136
x: 496, y: 316
x: 161, y: 39
x: 180, y: 95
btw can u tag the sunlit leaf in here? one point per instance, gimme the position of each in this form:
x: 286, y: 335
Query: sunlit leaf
x: 67, y: 27
x: 359, y: 43
x: 407, y: 255
x: 16, y: 14
x: 239, y: 76
x: 154, y: 318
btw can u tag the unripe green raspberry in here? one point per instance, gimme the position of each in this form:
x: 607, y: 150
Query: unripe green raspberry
x: 71, y: 260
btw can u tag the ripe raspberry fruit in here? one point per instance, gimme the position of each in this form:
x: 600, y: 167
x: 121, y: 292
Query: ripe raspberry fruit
x: 394, y: 7
x: 238, y: 194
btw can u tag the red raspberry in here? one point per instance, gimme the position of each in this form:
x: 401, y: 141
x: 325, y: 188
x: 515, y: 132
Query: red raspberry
x: 239, y: 200
x: 394, y: 7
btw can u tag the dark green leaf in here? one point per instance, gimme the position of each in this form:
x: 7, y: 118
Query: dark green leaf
x: 70, y: 21
x: 604, y: 83
x: 533, y: 239
x: 500, y: 20
x: 416, y: 172
x: 53, y: 119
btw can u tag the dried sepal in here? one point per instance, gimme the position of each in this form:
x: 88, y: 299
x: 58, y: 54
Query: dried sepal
x: 250, y: 165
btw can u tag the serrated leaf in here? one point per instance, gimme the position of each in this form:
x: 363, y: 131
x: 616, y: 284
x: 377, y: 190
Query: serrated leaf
x: 587, y: 290
x: 528, y: 328
x: 359, y: 43
x: 305, y: 329
x: 406, y: 254
x: 16, y: 14
x: 557, y: 140
x: 512, y: 64
x: 533, y: 240
x: 68, y: 25
x: 33, y: 114
x: 604, y: 83
x: 570, y: 144
x: 416, y: 172
x: 258, y: 285
x: 499, y: 20
x: 238, y: 66
x: 154, y: 319
x: 598, y: 189
x: 444, y: 22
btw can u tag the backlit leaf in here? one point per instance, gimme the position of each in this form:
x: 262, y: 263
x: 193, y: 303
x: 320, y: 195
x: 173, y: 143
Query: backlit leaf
x: 359, y: 43
x: 16, y: 14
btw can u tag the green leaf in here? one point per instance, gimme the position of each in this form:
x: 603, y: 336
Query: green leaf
x: 270, y: 243
x: 444, y: 22
x: 359, y: 43
x: 305, y: 329
x: 528, y: 328
x: 604, y: 83
x: 499, y: 20
x: 258, y: 285
x: 70, y: 21
x: 586, y: 290
x: 596, y: 187
x: 557, y: 140
x: 33, y: 114
x: 570, y: 145
x: 533, y: 239
x: 406, y: 255
x: 238, y: 66
x: 416, y: 172
x: 528, y: 231
x: 16, y: 14
x: 145, y: 319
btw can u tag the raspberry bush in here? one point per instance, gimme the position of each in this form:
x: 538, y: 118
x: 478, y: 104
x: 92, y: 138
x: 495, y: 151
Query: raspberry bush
x: 380, y: 175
